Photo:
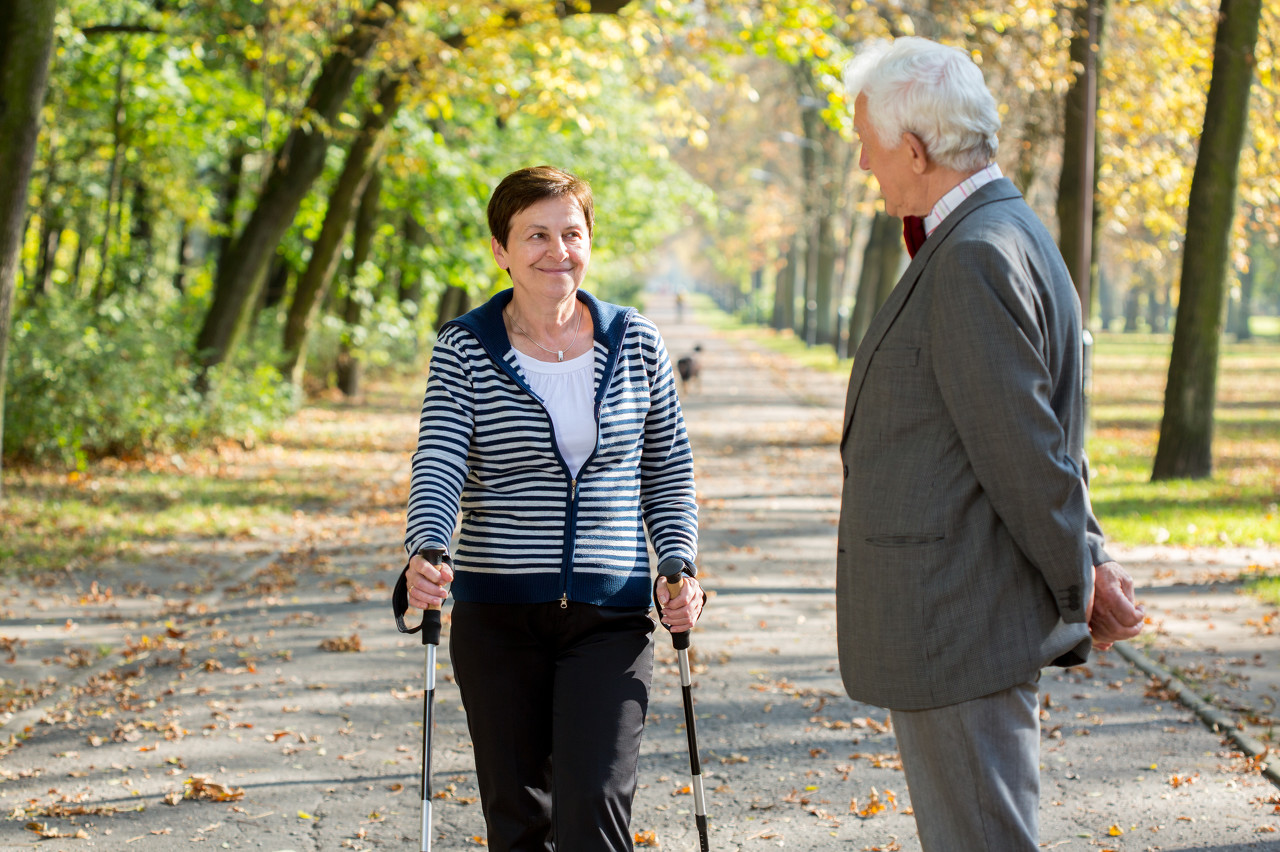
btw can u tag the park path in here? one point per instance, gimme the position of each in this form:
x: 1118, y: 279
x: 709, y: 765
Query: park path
x: 267, y: 680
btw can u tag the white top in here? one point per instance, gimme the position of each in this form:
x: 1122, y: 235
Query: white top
x: 951, y: 200
x: 568, y: 390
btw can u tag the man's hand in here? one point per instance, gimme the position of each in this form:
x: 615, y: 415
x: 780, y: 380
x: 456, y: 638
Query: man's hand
x: 1113, y: 615
x: 681, y: 612
x: 426, y: 582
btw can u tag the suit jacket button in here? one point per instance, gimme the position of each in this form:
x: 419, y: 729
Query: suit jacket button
x: 846, y: 471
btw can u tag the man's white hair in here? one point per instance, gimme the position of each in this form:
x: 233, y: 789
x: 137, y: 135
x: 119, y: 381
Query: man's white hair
x: 914, y: 85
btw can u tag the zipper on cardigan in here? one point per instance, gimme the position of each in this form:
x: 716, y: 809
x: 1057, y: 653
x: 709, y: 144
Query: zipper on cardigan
x: 572, y: 524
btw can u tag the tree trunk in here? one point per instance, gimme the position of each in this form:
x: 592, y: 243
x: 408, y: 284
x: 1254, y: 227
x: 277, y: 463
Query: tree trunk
x: 1106, y: 300
x: 82, y: 246
x: 350, y: 369
x: 1132, y: 307
x: 409, y: 287
x: 884, y: 248
x: 326, y: 251
x: 141, y: 231
x: 277, y: 285
x: 1185, y: 448
x: 784, y: 289
x: 1155, y: 309
x: 826, y: 273
x: 1079, y: 143
x: 892, y: 250
x: 230, y: 197
x: 1244, y: 312
x: 51, y: 225
x: 180, y: 258
x: 811, y: 170
x: 297, y: 164
x: 1244, y: 308
x: 115, y: 180
x: 26, y: 43
x: 454, y: 302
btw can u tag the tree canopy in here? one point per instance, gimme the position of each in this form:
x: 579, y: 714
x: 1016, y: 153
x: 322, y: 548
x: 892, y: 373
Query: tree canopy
x: 199, y: 177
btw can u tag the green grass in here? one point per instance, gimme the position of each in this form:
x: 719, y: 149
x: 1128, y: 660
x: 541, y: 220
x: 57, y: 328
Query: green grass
x: 328, y: 463
x: 1265, y: 588
x: 1236, y: 507
x: 1265, y: 326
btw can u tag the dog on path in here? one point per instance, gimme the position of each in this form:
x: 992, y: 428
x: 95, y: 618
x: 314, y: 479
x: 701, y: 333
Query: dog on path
x: 690, y: 369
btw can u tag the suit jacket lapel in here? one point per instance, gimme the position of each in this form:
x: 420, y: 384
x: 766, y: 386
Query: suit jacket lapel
x: 997, y: 190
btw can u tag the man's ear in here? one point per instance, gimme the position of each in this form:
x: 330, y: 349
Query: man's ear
x: 919, y: 156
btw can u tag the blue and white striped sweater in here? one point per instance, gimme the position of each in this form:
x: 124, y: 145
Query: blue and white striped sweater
x: 530, y: 533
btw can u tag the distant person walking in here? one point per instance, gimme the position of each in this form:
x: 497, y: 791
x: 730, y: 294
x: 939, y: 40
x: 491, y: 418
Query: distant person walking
x: 967, y: 546
x: 551, y: 420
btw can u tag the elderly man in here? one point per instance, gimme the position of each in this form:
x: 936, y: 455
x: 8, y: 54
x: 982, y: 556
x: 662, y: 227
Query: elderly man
x: 967, y: 543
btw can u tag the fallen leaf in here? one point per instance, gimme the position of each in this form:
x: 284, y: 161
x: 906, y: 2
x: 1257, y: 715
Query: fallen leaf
x: 200, y: 787
x: 47, y: 833
x: 340, y: 644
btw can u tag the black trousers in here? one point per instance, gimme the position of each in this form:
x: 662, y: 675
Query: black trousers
x: 555, y: 700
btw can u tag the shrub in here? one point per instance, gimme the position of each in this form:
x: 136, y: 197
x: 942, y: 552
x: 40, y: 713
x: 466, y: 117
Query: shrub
x: 117, y: 379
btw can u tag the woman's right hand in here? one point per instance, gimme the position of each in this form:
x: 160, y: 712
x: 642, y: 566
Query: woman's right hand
x: 426, y: 582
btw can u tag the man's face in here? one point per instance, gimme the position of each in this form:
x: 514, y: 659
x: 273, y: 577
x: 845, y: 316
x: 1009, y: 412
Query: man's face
x: 891, y: 166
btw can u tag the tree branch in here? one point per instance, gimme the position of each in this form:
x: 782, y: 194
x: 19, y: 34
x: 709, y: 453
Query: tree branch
x: 103, y: 29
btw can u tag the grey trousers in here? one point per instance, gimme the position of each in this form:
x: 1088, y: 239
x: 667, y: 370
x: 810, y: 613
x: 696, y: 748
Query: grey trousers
x: 973, y: 772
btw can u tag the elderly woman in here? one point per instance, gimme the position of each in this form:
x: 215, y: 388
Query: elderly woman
x: 551, y: 421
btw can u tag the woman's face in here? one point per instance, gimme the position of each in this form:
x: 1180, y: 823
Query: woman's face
x: 548, y: 249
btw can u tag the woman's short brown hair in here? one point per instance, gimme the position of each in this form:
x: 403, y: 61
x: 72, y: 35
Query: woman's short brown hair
x: 526, y: 187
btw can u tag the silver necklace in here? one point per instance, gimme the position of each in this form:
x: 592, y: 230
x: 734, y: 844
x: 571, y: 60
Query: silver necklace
x: 559, y: 353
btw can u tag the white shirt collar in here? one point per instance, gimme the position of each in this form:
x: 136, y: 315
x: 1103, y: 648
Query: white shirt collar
x: 959, y: 193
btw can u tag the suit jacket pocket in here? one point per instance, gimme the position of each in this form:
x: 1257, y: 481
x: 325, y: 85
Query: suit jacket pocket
x: 896, y: 357
x: 903, y: 540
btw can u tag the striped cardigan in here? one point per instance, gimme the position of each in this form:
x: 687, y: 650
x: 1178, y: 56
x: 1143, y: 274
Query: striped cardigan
x: 530, y: 532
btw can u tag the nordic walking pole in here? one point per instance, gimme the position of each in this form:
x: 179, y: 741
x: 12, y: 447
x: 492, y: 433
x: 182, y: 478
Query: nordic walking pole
x: 671, y: 570
x: 430, y: 628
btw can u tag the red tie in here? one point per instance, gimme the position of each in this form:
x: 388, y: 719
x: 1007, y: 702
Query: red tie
x: 913, y: 232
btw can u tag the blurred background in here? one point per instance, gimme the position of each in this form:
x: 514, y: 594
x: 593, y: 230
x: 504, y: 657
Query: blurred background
x: 221, y: 211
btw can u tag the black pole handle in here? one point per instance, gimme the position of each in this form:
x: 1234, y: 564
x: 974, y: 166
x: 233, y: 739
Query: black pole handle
x: 672, y: 571
x: 430, y: 625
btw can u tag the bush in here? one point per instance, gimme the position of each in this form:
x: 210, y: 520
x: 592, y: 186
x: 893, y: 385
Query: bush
x: 117, y: 379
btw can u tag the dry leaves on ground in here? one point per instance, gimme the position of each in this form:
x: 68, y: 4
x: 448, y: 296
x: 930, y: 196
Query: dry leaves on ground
x: 47, y: 833
x: 199, y: 787
x: 343, y: 644
x: 875, y: 804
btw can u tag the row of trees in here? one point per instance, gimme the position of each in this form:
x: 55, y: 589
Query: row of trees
x: 238, y: 189
x: 230, y: 200
x: 820, y: 259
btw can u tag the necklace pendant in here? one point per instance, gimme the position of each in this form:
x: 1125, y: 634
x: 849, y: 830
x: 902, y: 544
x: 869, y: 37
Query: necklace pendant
x: 560, y: 355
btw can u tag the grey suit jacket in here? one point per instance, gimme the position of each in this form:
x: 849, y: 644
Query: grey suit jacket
x: 966, y: 537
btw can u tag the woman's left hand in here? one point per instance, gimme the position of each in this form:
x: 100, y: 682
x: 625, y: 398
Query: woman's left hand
x: 681, y: 612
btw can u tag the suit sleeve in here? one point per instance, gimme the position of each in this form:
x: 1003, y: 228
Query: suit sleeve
x: 992, y: 351
x: 1096, y: 538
